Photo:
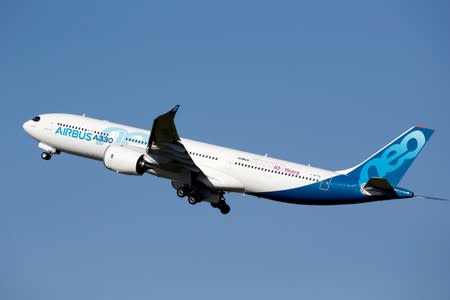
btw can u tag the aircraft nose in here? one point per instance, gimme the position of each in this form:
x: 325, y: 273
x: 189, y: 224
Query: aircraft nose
x: 26, y: 126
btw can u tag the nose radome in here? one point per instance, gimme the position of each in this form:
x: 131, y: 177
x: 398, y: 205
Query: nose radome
x: 26, y: 126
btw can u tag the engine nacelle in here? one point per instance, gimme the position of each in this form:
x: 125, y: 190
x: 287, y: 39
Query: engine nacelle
x: 125, y: 160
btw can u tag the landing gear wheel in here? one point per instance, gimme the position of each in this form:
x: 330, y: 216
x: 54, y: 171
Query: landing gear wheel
x: 225, y: 209
x: 46, y: 156
x: 181, y: 192
x: 192, y: 200
x: 222, y: 206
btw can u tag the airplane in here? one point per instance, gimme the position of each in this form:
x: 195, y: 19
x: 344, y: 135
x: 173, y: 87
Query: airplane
x: 204, y: 173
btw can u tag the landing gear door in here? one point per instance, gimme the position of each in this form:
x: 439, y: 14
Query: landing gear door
x: 325, y: 184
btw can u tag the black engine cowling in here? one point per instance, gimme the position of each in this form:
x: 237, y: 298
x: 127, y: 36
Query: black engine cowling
x: 125, y: 160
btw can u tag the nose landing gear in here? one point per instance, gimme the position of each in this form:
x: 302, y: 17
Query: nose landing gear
x: 46, y: 155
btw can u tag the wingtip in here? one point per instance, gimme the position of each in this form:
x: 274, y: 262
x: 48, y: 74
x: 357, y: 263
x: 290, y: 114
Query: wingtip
x: 175, y: 109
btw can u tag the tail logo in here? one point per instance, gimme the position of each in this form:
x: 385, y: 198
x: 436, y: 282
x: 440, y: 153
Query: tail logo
x: 393, y: 157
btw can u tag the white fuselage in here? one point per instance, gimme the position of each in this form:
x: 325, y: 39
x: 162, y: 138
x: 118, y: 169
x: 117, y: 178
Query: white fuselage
x: 227, y: 169
x: 204, y: 172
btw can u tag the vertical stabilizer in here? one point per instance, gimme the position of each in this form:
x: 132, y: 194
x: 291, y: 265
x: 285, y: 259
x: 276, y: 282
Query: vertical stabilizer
x: 393, y: 160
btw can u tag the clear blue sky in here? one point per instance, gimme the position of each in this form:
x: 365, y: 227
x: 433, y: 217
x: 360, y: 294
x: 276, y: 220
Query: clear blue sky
x: 320, y: 82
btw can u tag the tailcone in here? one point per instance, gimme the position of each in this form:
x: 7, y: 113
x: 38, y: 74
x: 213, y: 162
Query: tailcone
x: 403, y: 193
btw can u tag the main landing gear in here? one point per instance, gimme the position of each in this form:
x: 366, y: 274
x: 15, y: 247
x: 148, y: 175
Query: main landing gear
x: 194, y: 198
x: 222, y: 206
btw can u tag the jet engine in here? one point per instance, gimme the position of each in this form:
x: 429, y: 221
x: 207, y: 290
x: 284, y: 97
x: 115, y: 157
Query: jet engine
x: 125, y: 160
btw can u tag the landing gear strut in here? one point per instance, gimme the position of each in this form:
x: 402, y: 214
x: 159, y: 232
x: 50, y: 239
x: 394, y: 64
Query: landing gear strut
x: 46, y: 155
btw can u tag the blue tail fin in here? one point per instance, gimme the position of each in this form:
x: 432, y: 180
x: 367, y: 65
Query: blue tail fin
x: 393, y: 160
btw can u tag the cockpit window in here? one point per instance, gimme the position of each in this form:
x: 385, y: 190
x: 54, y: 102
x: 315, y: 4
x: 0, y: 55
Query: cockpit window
x: 36, y: 119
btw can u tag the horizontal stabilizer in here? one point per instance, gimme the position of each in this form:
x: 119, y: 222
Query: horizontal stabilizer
x: 381, y: 188
x: 378, y: 187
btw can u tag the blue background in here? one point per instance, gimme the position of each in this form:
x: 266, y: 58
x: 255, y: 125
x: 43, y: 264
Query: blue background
x: 319, y: 82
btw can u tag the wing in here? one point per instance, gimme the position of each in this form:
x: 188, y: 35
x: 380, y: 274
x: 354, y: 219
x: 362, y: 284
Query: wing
x: 165, y: 143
